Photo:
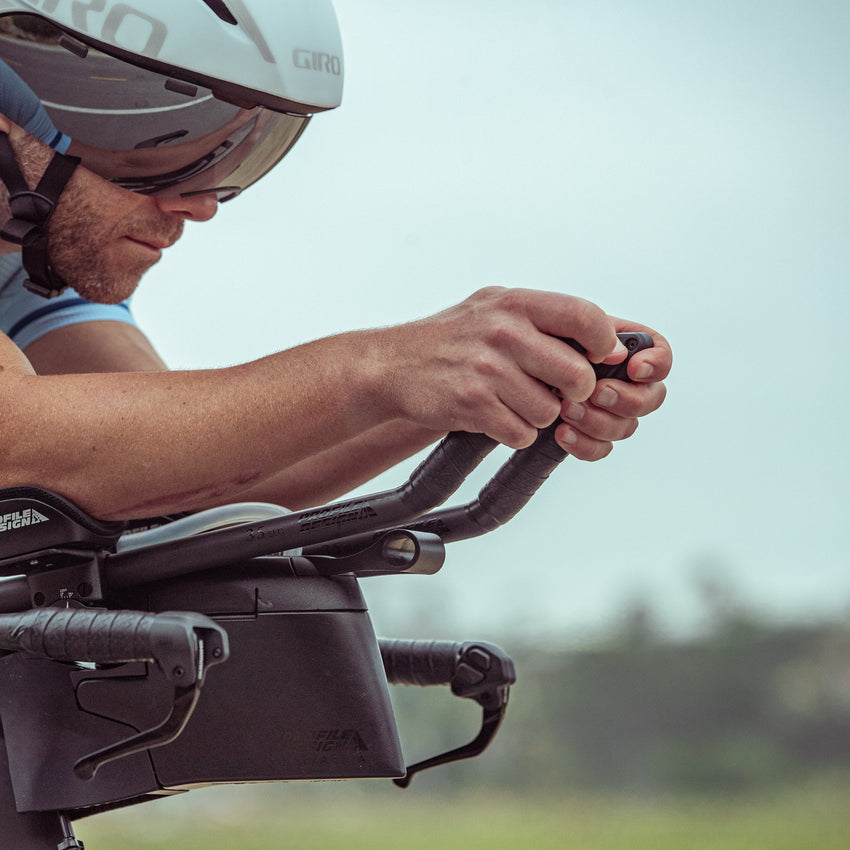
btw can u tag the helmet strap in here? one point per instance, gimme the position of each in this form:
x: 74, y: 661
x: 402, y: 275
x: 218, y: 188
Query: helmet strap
x: 31, y: 211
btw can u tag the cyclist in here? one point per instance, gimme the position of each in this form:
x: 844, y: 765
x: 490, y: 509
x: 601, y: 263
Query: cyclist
x: 89, y: 410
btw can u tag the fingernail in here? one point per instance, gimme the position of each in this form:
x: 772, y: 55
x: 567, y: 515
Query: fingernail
x: 644, y: 371
x: 569, y: 437
x: 574, y: 411
x: 607, y: 397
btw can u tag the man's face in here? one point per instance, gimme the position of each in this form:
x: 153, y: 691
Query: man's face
x: 102, y: 238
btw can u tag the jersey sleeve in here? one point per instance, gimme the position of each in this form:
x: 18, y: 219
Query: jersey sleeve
x: 20, y: 104
x: 24, y: 316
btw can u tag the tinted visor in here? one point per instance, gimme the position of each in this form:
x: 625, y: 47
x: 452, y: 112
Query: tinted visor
x: 139, y: 129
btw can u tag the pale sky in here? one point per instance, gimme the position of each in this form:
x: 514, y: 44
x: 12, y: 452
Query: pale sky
x: 683, y: 163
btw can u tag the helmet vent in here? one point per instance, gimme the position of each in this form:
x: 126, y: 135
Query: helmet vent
x: 179, y: 87
x: 73, y: 46
x: 220, y: 8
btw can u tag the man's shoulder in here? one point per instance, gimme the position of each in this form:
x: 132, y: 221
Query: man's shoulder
x: 13, y: 361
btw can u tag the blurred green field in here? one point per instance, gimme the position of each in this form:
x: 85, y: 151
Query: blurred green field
x: 814, y: 816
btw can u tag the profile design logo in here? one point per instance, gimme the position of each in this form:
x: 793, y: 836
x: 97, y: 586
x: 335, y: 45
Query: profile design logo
x: 21, y: 519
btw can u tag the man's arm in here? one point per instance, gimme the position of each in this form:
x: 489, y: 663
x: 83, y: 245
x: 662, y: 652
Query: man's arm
x: 123, y: 445
x: 98, y: 346
x: 335, y: 472
x: 133, y: 444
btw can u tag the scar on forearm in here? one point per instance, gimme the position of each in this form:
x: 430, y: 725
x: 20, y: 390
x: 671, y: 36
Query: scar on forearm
x: 195, y: 499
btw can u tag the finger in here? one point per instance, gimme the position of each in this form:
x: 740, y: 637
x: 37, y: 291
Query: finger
x: 512, y: 380
x: 556, y: 364
x: 628, y: 400
x: 530, y: 325
x: 511, y: 414
x: 535, y: 403
x: 509, y: 429
x: 651, y: 364
x: 562, y: 315
x: 580, y: 445
x: 538, y: 356
x: 597, y: 423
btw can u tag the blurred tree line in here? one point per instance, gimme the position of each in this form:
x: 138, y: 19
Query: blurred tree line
x: 745, y: 705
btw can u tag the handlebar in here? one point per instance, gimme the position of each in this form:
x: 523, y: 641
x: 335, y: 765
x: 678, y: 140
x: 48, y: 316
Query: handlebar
x: 501, y: 498
x: 419, y: 662
x: 474, y: 669
x: 433, y: 481
x: 113, y: 637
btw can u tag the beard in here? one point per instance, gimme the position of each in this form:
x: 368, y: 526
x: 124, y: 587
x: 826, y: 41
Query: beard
x: 85, y: 244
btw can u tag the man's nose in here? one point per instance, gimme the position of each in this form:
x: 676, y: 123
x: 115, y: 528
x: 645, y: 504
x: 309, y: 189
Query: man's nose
x: 193, y: 207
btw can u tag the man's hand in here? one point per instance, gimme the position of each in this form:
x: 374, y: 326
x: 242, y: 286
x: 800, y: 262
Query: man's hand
x: 614, y: 407
x: 490, y: 365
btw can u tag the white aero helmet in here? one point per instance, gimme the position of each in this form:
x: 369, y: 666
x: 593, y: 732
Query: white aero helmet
x: 178, y: 96
x: 166, y: 97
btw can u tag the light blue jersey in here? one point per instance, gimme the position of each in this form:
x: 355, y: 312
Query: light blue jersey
x: 24, y: 316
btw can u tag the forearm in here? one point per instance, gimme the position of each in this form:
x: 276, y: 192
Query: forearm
x: 331, y: 474
x: 119, y: 347
x: 123, y: 445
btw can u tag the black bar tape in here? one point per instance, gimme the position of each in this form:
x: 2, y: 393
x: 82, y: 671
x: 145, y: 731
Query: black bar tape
x: 420, y: 662
x: 448, y: 465
x: 521, y: 476
x: 79, y: 634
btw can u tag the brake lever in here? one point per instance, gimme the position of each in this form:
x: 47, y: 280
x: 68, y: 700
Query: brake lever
x: 490, y: 723
x: 475, y: 670
x: 183, y: 645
